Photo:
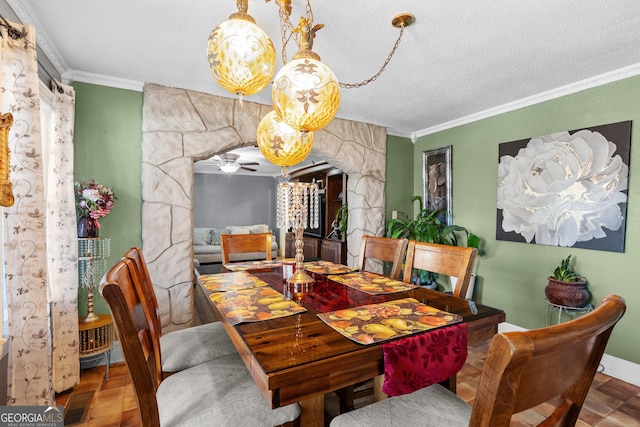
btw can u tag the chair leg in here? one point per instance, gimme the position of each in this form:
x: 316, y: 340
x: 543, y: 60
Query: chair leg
x: 346, y: 399
x: 450, y: 383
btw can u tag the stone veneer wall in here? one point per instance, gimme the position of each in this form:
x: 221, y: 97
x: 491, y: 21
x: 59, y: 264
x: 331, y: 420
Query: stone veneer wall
x: 180, y: 127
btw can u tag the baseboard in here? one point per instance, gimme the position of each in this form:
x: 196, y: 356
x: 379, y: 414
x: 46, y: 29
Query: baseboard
x: 615, y: 367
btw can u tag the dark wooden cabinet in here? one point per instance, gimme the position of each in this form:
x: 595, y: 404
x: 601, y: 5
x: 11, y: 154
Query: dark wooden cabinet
x: 289, y: 245
x: 333, y: 184
x: 334, y: 251
x: 310, y: 249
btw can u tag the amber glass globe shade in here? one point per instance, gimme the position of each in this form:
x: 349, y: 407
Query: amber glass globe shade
x: 280, y: 144
x: 241, y: 56
x: 306, y: 94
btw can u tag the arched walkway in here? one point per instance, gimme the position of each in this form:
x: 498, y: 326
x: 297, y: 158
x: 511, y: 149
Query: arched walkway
x: 180, y: 127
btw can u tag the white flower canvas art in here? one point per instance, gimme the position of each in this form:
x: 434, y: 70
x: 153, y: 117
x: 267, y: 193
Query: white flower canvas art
x: 566, y: 189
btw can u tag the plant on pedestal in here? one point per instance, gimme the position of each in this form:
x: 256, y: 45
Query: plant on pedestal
x: 566, y: 287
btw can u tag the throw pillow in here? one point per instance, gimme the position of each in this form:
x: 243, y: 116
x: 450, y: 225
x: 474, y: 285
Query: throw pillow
x: 200, y: 236
x: 215, y: 233
x: 259, y: 228
x: 237, y: 229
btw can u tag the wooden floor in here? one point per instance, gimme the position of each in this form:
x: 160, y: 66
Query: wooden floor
x: 610, y: 402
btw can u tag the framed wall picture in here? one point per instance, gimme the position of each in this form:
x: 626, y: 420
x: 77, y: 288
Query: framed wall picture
x: 566, y: 189
x: 436, y: 175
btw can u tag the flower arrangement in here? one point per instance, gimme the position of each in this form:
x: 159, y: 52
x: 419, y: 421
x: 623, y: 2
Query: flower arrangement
x: 93, y: 200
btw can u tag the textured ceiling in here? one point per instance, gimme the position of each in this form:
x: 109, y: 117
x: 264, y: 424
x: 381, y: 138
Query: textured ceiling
x: 459, y: 60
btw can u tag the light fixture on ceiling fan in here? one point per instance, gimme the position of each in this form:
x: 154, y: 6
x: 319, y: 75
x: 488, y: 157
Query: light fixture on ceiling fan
x: 228, y: 163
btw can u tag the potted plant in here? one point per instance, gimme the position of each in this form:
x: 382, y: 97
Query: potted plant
x: 427, y: 227
x: 566, y: 287
x: 339, y: 224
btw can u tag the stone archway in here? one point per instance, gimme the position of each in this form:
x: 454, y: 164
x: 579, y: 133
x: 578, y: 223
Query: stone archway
x: 181, y: 126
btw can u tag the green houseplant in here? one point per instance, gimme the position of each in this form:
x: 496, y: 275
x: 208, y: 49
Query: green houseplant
x: 566, y: 287
x: 339, y: 224
x: 427, y: 227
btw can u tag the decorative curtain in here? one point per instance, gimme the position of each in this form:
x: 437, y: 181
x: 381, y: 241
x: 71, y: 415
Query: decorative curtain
x: 62, y: 243
x: 30, y: 368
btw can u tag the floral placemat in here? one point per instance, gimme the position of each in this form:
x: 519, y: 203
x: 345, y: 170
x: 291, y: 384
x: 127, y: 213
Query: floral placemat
x: 327, y: 267
x: 372, y: 283
x: 234, y: 281
x: 252, y: 265
x: 255, y: 304
x: 369, y: 324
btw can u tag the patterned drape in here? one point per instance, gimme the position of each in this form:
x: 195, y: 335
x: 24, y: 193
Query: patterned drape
x: 62, y: 243
x: 30, y: 372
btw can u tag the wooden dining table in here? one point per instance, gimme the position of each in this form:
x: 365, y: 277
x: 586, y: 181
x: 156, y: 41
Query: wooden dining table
x: 299, y: 358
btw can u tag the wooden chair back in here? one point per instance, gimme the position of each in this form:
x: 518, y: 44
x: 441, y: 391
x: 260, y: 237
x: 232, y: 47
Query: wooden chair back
x: 118, y: 290
x: 383, y: 249
x: 245, y: 243
x: 525, y: 369
x: 147, y: 296
x: 452, y: 261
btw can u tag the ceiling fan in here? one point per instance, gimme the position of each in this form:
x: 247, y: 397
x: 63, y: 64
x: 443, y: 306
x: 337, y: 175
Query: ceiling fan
x: 228, y: 163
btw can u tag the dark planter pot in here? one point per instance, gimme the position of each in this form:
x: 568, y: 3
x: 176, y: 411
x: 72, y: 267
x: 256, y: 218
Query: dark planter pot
x: 569, y: 294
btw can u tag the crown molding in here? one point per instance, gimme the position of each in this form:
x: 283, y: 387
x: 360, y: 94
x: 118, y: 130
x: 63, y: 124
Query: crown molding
x: 615, y: 75
x: 102, y: 80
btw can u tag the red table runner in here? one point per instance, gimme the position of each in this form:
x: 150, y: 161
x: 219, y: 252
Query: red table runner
x: 421, y: 360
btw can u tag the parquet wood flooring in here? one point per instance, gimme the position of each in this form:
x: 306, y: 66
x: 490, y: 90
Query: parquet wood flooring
x: 610, y: 403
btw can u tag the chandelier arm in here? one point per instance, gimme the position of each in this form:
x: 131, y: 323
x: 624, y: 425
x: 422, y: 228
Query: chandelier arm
x: 380, y: 71
x: 287, y: 28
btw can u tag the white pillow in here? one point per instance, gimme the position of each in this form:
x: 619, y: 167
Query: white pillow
x: 200, y: 236
x: 248, y: 229
x: 236, y: 229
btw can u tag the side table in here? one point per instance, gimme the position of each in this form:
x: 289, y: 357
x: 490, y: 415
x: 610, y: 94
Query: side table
x: 571, y: 312
x: 96, y: 339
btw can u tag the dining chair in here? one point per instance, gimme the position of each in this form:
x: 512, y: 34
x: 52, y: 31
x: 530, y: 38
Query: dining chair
x: 219, y: 392
x: 382, y: 249
x: 245, y: 243
x: 453, y: 261
x: 183, y: 348
x: 522, y: 370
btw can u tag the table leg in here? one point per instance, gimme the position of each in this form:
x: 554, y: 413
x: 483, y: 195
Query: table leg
x: 312, y: 412
x: 378, y: 394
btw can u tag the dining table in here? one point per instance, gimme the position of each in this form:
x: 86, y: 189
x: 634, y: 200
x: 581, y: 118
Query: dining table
x: 299, y: 357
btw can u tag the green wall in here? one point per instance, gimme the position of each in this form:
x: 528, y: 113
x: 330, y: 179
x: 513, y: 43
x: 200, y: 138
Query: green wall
x: 107, y: 141
x: 399, y: 170
x: 513, y: 275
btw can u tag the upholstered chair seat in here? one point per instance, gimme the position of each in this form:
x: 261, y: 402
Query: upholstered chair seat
x: 430, y: 406
x: 189, y: 347
x: 218, y: 393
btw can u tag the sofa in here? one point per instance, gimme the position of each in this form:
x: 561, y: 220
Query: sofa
x: 206, y: 243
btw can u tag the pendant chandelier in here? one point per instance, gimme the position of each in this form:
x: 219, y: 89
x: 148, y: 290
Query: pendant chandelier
x: 280, y: 144
x: 305, y: 92
x: 241, y: 55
